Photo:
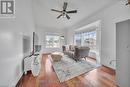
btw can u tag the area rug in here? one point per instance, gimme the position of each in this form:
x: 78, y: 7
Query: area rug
x: 68, y: 68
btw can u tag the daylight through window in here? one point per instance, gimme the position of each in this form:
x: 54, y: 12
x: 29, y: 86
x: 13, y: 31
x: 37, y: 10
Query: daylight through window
x: 52, y: 41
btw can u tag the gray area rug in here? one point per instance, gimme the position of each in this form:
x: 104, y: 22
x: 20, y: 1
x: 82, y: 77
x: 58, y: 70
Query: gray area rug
x: 68, y: 68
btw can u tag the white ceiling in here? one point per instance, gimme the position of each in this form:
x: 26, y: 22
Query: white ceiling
x: 44, y: 17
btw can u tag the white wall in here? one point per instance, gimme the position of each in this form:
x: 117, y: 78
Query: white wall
x: 110, y: 16
x: 12, y: 31
x: 41, y: 38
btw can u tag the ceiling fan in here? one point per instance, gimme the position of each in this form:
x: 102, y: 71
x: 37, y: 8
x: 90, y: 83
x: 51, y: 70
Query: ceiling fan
x: 128, y: 3
x: 64, y: 12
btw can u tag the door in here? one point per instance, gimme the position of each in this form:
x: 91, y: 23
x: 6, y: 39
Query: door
x: 123, y: 53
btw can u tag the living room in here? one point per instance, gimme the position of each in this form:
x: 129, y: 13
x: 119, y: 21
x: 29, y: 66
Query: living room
x: 94, y: 24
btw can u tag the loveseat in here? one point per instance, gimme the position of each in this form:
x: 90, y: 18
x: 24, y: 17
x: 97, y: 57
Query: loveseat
x: 76, y: 52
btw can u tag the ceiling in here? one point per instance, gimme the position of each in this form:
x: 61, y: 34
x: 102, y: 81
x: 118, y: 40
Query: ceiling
x: 46, y: 18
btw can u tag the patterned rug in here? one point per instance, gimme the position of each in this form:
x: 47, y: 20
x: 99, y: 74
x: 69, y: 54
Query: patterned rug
x: 68, y: 68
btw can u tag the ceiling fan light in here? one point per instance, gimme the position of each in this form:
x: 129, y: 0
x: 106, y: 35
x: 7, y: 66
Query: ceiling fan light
x: 63, y: 16
x: 128, y: 3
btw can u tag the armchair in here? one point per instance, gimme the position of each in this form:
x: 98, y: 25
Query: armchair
x: 76, y: 52
x: 81, y: 52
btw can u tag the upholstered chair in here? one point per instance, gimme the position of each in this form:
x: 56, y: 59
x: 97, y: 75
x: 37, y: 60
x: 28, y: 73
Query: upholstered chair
x: 76, y: 52
x: 81, y: 52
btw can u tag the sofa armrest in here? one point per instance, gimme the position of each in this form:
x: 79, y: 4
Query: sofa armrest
x: 63, y: 48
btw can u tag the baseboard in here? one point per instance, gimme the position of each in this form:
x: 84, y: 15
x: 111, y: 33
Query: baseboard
x: 109, y: 68
x: 19, y: 80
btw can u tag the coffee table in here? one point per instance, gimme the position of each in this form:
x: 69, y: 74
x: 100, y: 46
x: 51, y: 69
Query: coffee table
x: 56, y: 56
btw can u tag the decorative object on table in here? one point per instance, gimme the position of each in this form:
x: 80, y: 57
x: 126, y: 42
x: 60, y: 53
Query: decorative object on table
x: 64, y: 12
x: 67, y: 68
x: 38, y: 48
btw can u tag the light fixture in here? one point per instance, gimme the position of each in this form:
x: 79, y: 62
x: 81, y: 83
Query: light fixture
x: 128, y: 3
x: 64, y: 12
x: 62, y: 37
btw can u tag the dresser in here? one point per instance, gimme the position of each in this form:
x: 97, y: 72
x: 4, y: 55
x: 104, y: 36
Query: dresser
x: 32, y: 64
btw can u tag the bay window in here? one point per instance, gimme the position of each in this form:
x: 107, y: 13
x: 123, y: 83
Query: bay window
x: 88, y: 39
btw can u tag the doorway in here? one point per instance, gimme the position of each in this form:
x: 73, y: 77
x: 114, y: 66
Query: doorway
x: 123, y: 53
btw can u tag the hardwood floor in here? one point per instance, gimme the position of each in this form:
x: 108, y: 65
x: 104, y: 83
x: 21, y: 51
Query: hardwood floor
x: 100, y: 77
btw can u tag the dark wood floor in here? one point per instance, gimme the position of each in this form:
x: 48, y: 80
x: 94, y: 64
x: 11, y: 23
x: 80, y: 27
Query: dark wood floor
x: 100, y: 77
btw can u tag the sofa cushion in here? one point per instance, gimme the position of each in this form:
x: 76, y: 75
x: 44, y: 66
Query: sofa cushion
x: 70, y: 54
x: 71, y: 47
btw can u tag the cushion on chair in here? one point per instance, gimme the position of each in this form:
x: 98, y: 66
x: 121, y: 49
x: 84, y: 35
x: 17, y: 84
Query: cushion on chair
x: 71, y: 47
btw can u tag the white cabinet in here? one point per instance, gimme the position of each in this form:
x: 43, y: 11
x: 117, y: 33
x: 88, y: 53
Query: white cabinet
x: 32, y: 63
x: 27, y: 64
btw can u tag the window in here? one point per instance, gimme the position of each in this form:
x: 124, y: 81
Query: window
x: 89, y: 39
x: 78, y: 37
x: 52, y: 41
x: 86, y: 39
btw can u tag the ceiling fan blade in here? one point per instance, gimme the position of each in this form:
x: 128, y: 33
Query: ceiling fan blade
x: 59, y: 16
x: 65, y: 6
x: 56, y: 10
x: 67, y: 16
x: 128, y: 3
x: 73, y: 11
